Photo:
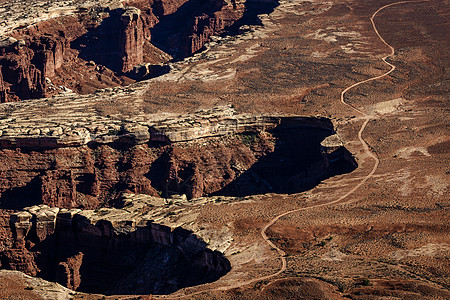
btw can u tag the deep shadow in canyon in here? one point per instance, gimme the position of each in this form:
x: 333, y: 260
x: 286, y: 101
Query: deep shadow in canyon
x: 170, y: 33
x: 101, y: 43
x: 22, y: 196
x: 101, y: 259
x: 288, y: 158
x: 250, y: 17
x: 298, y: 163
x: 175, y: 32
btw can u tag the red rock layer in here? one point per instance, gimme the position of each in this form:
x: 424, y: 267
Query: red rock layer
x: 46, y: 50
x: 14, y: 254
x: 84, y: 177
x: 87, y: 178
x: 27, y: 80
x: 68, y: 272
x: 131, y: 40
x: 217, y: 16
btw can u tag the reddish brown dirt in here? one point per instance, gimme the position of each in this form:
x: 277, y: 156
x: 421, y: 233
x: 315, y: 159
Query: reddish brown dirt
x: 391, y: 238
x: 99, y: 48
x: 13, y: 288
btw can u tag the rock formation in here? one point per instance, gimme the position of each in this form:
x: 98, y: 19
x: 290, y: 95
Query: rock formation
x: 27, y: 64
x: 68, y: 273
x: 104, y: 43
x: 103, y: 251
x: 92, y: 166
x: 131, y: 40
x: 218, y: 15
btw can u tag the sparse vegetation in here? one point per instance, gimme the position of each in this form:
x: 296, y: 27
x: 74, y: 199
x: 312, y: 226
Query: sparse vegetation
x: 366, y: 282
x: 249, y: 138
x: 299, y: 70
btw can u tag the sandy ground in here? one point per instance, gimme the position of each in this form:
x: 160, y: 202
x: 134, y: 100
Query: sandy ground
x: 389, y: 238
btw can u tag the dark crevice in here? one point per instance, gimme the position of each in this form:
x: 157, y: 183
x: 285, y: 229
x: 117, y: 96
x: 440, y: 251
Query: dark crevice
x: 173, y: 32
x: 168, y: 33
x: 19, y: 197
x: 99, y: 259
x: 298, y: 163
x: 250, y: 17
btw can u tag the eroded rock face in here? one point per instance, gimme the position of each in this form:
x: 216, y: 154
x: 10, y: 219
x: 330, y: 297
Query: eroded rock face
x: 26, y: 64
x: 218, y: 15
x: 185, y: 31
x: 115, y: 250
x: 96, y: 130
x: 131, y: 40
x: 68, y: 273
x: 105, y: 42
x: 211, y: 151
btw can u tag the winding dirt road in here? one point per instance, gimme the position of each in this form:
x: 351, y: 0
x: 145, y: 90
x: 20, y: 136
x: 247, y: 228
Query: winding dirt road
x: 343, y: 197
x: 360, y: 138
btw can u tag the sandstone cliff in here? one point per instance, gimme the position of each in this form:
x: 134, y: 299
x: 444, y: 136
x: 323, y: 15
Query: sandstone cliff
x: 114, y: 250
x: 131, y: 40
x: 101, y: 45
x: 86, y: 167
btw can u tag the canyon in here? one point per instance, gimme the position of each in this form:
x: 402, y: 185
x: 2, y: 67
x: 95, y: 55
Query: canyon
x: 224, y: 149
x: 112, y: 251
x: 111, y: 45
x: 65, y: 179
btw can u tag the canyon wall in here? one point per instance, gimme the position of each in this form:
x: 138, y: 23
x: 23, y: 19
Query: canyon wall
x: 217, y: 15
x: 24, y: 68
x: 112, y: 251
x: 173, y: 156
x: 105, y: 44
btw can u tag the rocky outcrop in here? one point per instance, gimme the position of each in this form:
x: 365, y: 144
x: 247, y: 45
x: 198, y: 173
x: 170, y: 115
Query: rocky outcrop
x: 58, y: 188
x: 68, y: 273
x: 115, y: 247
x: 186, y: 30
x: 172, y: 156
x: 131, y: 40
x: 102, y: 44
x: 27, y: 64
x: 218, y: 121
x: 16, y: 256
x: 217, y: 16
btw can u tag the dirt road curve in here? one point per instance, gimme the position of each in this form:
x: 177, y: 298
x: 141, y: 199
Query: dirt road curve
x: 343, y: 197
x: 360, y: 138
